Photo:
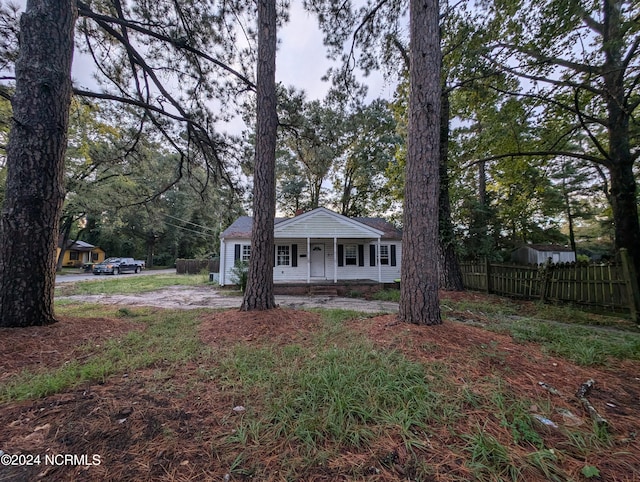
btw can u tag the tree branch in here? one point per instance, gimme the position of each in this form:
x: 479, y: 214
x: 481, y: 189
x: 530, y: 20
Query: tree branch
x: 129, y: 101
x: 574, y: 155
x: 85, y: 11
x: 584, y: 68
x: 585, y: 127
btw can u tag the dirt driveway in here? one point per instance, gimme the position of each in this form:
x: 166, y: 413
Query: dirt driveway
x: 191, y: 297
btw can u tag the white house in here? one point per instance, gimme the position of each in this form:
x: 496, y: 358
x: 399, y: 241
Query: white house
x: 540, y: 253
x: 320, y: 246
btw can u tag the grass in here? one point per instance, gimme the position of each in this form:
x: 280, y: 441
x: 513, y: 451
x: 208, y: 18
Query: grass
x: 582, y: 345
x: 348, y: 397
x: 584, y: 338
x: 170, y: 337
x: 387, y: 295
x: 338, y: 393
x: 126, y: 284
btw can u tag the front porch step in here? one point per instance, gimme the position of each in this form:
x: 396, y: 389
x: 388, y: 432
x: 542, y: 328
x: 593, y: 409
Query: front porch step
x: 323, y: 290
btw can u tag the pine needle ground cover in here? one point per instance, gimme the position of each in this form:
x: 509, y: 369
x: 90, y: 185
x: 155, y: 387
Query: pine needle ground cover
x: 328, y: 395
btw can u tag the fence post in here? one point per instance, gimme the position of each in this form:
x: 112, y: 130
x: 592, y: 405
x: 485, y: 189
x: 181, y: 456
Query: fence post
x: 544, y: 278
x: 631, y: 283
x: 487, y: 271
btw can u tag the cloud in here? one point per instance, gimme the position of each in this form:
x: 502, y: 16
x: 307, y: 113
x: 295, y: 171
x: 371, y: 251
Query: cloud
x: 301, y: 60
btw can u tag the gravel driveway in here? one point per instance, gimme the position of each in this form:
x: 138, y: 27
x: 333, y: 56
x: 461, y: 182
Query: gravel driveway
x: 190, y: 297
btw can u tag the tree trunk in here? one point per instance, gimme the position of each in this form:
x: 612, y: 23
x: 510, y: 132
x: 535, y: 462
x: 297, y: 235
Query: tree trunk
x: 567, y: 202
x: 623, y: 189
x: 35, y: 160
x: 150, y: 243
x: 63, y: 240
x: 625, y: 212
x: 449, y: 271
x: 259, y: 292
x: 419, y: 302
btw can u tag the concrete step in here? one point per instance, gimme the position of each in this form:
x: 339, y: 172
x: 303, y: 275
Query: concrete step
x: 323, y: 290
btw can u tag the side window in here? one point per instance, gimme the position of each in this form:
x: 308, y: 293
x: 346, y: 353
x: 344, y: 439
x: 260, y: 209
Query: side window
x: 283, y: 257
x: 350, y: 255
x: 384, y: 254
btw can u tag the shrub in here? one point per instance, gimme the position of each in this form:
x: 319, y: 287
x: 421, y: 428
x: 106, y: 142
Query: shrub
x: 239, y: 274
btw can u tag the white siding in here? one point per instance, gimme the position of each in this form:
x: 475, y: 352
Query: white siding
x: 283, y: 274
x: 229, y: 259
x: 323, y: 224
x: 388, y: 273
x: 528, y: 255
x: 289, y: 274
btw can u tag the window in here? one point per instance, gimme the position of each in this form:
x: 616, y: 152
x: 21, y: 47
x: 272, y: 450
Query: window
x: 94, y: 256
x: 246, y: 252
x: 283, y: 257
x: 351, y: 255
x: 74, y: 255
x: 384, y: 254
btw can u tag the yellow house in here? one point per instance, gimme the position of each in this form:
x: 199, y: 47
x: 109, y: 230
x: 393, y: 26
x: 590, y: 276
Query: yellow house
x: 79, y: 253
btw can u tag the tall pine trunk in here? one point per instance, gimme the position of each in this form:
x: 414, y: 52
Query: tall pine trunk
x: 449, y: 271
x: 419, y: 302
x: 259, y: 293
x: 35, y: 160
x: 625, y: 211
x: 623, y: 188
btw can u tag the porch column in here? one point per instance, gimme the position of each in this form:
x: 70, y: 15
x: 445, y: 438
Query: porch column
x: 308, y: 260
x: 223, y: 254
x: 335, y: 259
x: 379, y: 265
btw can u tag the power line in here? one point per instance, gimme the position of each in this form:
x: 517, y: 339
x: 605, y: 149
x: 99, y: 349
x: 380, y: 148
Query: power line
x: 190, y: 230
x: 189, y: 222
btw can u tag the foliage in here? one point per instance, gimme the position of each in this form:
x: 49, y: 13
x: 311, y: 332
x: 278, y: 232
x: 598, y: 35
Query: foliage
x: 589, y: 471
x: 114, y: 178
x: 150, y: 57
x: 322, y: 142
x: 239, y: 274
x: 576, y: 67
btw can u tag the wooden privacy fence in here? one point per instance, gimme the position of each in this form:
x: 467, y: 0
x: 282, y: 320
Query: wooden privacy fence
x: 610, y: 286
x: 197, y: 266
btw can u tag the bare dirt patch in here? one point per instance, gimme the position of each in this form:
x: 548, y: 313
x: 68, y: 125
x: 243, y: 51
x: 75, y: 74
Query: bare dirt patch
x: 283, y: 326
x: 170, y: 423
x: 193, y: 297
x: 44, y: 347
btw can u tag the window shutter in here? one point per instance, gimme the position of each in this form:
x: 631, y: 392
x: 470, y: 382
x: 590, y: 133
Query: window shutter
x: 372, y: 255
x: 294, y: 255
x: 341, y: 255
x: 361, y: 255
x: 236, y: 252
x: 393, y: 255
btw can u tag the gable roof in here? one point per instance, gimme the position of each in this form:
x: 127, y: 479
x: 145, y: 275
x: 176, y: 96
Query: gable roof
x: 389, y: 230
x: 78, y: 245
x: 320, y: 222
x: 241, y: 227
x: 547, y: 247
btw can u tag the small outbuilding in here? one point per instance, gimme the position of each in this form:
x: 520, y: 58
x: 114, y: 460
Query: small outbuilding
x: 541, y: 253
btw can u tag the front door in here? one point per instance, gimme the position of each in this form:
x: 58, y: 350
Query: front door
x: 317, y: 260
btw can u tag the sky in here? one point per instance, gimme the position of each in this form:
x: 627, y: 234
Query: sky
x: 301, y: 61
x: 301, y: 58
